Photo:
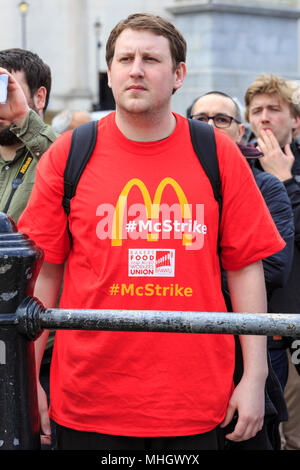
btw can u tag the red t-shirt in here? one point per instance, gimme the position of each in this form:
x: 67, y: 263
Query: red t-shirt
x: 145, y: 226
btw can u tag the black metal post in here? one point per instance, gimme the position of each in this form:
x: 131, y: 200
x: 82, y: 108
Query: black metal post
x: 19, y: 421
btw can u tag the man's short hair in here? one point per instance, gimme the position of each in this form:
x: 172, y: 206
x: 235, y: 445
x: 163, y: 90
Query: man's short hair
x: 270, y: 84
x: 37, y: 73
x: 295, y: 86
x: 155, y: 24
x: 238, y: 114
x: 62, y: 121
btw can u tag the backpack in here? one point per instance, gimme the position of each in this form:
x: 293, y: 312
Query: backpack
x: 84, y: 139
x: 203, y: 140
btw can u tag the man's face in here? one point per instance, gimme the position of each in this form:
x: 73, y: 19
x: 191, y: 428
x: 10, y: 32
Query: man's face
x: 8, y: 138
x: 141, y: 74
x: 212, y: 105
x: 268, y: 111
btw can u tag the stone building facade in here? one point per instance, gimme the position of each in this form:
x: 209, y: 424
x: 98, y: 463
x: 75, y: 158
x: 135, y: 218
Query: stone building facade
x: 229, y: 42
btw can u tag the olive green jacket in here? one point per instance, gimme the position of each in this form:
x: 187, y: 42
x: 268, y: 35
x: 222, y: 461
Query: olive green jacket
x: 37, y: 138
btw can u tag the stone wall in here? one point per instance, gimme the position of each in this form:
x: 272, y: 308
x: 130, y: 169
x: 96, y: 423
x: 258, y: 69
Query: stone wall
x: 229, y: 42
x: 229, y: 45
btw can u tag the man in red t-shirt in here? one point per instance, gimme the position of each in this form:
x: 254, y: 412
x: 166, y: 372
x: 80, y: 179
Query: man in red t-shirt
x: 144, y: 226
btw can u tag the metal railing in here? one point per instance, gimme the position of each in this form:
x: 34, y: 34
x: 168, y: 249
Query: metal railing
x: 31, y: 318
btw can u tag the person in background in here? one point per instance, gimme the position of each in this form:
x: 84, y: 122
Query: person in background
x: 24, y: 136
x: 273, y: 115
x: 69, y: 119
x: 295, y: 86
x: 222, y: 111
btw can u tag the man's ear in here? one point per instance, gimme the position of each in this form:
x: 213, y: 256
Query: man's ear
x: 108, y: 78
x: 39, y: 99
x: 180, y: 74
x: 241, y: 132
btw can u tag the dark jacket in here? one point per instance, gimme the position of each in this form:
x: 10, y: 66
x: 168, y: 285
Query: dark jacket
x: 287, y: 298
x: 277, y: 266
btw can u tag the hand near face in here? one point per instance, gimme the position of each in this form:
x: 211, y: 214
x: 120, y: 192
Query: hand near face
x: 16, y: 107
x: 275, y: 161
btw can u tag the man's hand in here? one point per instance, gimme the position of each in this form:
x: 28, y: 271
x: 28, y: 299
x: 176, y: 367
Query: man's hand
x: 16, y: 107
x: 44, y: 416
x: 275, y: 161
x: 248, y: 401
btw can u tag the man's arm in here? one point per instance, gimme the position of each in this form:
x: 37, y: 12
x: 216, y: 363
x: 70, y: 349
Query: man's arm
x: 35, y: 134
x: 248, y: 295
x: 16, y: 107
x: 25, y: 123
x: 280, y: 164
x: 47, y: 289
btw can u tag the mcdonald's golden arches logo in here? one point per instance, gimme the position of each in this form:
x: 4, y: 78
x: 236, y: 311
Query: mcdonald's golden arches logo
x: 152, y: 208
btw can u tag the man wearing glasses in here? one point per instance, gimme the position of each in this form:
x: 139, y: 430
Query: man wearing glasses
x: 221, y: 111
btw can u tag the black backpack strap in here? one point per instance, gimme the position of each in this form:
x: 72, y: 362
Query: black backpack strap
x: 19, y: 177
x: 82, y: 145
x: 204, y: 143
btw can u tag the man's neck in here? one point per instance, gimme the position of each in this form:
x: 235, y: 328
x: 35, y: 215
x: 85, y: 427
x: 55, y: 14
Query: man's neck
x: 8, y: 153
x: 145, y: 128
